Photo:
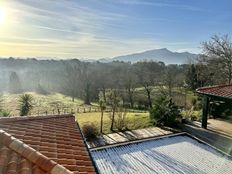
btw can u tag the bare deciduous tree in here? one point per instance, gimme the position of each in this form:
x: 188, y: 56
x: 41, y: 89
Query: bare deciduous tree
x: 72, y: 79
x: 218, y: 52
x: 86, y: 79
x: 114, y: 99
x: 102, y: 107
x: 129, y: 81
x: 149, y: 74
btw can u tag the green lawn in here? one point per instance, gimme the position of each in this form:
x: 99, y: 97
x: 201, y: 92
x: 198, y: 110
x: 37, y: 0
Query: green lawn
x: 134, y: 120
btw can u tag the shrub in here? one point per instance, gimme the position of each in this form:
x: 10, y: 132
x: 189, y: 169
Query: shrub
x: 90, y: 131
x: 121, y: 121
x: 191, y: 115
x: 164, y: 112
x: 25, y: 104
x: 4, y: 113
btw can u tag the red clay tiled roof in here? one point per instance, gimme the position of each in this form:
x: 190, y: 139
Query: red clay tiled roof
x: 45, y: 144
x: 220, y: 91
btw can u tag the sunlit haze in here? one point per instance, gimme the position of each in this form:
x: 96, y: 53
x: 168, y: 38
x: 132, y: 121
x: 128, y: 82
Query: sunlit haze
x: 108, y: 28
x: 2, y: 16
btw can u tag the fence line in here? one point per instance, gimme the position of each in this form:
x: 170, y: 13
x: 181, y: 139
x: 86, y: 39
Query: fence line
x: 67, y: 110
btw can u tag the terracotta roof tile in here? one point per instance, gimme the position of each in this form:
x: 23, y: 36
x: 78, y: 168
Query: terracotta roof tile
x: 219, y: 91
x: 44, y: 144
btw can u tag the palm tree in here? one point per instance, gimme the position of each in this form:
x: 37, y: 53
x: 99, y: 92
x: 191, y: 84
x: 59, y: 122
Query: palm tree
x: 102, y: 107
x: 25, y: 104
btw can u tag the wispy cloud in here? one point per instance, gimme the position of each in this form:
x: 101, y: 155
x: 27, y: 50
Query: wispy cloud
x: 162, y: 3
x: 95, y: 29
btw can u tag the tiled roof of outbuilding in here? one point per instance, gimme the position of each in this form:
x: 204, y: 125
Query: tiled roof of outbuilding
x: 219, y: 91
x: 45, y: 144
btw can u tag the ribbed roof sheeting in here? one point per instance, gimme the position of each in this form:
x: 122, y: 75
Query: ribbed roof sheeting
x: 179, y: 154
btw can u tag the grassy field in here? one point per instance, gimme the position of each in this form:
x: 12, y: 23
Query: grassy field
x: 49, y: 104
x: 43, y: 104
x: 55, y: 103
x: 134, y: 120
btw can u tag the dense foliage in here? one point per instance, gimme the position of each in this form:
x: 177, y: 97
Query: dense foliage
x: 164, y: 112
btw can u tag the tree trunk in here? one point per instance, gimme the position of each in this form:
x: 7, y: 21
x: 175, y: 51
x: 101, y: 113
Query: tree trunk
x: 112, y: 123
x: 230, y: 74
x: 101, y: 120
x: 131, y: 98
x: 104, y: 94
x: 123, y: 102
x: 87, y: 94
x: 170, y: 90
x: 149, y: 97
x: 73, y: 98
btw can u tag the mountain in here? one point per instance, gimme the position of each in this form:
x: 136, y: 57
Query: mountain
x: 164, y: 55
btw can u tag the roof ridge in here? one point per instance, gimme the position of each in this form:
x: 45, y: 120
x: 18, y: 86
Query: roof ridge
x: 12, y: 119
x: 31, y: 154
x: 214, y: 86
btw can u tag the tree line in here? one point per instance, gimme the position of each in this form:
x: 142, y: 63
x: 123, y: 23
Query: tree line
x: 133, y: 83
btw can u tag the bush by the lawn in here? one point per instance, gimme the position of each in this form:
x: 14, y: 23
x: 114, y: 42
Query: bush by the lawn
x: 164, y: 112
x: 90, y: 131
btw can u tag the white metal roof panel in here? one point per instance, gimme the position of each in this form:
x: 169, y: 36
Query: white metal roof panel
x: 178, y: 154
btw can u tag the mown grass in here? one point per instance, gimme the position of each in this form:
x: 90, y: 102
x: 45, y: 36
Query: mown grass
x: 134, y: 120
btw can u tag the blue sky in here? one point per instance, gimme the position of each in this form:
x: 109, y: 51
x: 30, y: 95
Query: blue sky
x: 108, y: 28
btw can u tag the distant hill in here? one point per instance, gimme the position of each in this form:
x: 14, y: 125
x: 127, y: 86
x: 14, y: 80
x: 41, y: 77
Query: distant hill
x: 164, y: 55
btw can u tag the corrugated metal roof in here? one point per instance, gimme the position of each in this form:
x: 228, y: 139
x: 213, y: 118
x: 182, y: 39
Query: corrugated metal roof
x: 178, y: 154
